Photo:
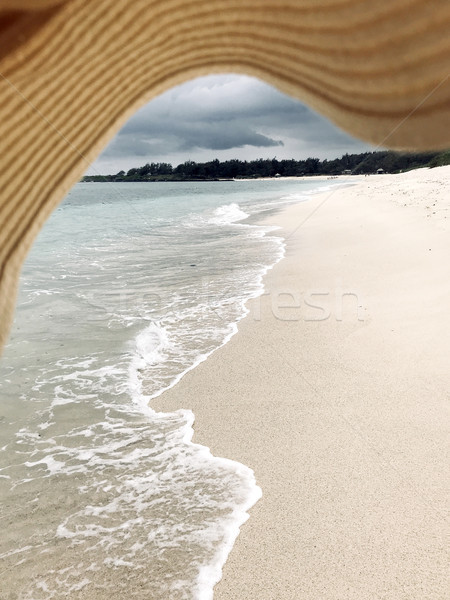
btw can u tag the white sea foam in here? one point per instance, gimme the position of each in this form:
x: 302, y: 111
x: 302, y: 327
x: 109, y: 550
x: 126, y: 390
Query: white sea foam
x: 152, y: 346
x: 296, y: 197
x: 227, y: 214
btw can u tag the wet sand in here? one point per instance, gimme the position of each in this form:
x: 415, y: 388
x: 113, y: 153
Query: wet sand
x: 336, y: 392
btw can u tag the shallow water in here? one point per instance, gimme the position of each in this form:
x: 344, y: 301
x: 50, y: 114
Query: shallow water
x: 127, y: 288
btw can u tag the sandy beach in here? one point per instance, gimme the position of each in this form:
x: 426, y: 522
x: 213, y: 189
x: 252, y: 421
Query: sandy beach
x: 335, y: 391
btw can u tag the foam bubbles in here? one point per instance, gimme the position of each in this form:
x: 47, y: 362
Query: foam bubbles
x: 227, y: 214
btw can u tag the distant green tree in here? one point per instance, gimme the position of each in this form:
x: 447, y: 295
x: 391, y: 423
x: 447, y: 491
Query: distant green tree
x: 365, y: 162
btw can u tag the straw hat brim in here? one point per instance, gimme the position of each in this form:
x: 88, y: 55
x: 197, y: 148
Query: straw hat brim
x: 72, y: 73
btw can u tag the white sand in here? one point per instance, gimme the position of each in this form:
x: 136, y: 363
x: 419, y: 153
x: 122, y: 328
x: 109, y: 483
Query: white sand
x: 344, y: 419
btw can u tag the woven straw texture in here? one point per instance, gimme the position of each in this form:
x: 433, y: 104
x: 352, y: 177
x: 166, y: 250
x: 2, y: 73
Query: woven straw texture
x: 72, y: 73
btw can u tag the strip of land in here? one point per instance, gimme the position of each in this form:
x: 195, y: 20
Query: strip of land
x: 336, y: 392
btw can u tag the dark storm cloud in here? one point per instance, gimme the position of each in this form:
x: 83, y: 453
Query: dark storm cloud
x: 160, y: 137
x: 225, y: 116
x: 218, y: 114
x: 214, y: 136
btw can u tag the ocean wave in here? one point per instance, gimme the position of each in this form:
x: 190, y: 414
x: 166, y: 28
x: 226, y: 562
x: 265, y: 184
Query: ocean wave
x: 129, y: 491
x: 228, y: 214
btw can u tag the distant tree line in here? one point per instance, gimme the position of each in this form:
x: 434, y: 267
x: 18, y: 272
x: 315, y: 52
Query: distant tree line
x: 355, y: 164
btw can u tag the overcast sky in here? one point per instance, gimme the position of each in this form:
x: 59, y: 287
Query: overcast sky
x: 223, y: 116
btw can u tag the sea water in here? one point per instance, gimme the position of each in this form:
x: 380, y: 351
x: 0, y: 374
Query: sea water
x: 128, y: 287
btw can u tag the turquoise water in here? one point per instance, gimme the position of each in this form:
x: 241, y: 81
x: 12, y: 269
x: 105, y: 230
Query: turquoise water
x: 127, y: 288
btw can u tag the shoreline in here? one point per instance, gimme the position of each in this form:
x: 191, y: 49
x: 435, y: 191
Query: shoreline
x: 341, y: 418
